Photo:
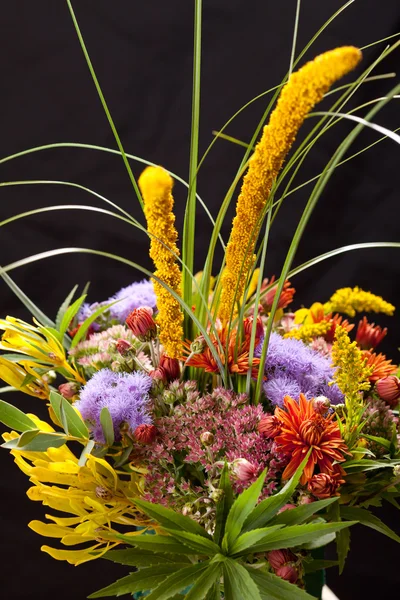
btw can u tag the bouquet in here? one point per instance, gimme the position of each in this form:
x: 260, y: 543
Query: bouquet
x: 201, y: 430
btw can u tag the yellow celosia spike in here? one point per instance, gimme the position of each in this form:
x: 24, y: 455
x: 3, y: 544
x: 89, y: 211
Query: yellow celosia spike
x: 303, y: 91
x: 156, y: 187
x: 353, y: 300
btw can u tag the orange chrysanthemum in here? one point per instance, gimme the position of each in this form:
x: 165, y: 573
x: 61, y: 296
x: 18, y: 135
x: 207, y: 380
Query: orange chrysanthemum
x: 302, y: 429
x: 382, y: 367
x: 237, y: 356
x: 369, y: 335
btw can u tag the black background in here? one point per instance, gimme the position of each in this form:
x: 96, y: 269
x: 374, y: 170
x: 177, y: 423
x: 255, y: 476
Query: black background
x: 142, y: 53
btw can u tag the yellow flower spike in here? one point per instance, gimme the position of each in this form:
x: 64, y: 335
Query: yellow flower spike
x: 353, y: 300
x: 298, y: 97
x: 351, y: 374
x: 156, y: 187
x: 306, y: 333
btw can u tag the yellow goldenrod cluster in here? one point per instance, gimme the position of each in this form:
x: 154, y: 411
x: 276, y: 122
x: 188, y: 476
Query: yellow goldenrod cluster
x: 353, y: 300
x: 156, y: 187
x: 39, y: 350
x: 307, y: 333
x: 304, y: 89
x: 93, y: 496
x: 351, y: 373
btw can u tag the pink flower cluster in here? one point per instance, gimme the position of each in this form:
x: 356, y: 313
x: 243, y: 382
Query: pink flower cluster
x: 198, y: 439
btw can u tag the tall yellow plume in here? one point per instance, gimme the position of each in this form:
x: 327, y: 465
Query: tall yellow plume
x: 303, y: 91
x: 156, y: 187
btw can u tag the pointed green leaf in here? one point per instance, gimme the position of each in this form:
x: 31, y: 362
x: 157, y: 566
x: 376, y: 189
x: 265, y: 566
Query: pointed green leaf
x: 342, y: 547
x: 143, y: 580
x: 27, y: 302
x: 74, y: 422
x: 169, y: 518
x: 364, y: 517
x: 157, y: 543
x: 14, y: 418
x: 85, y: 453
x: 250, y: 538
x: 205, y: 582
x: 296, y: 535
x: 223, y: 505
x: 178, y: 581
x: 320, y: 542
x: 214, y: 593
x: 238, y: 585
x: 70, y: 314
x: 379, y: 440
x: 137, y: 557
x: 83, y: 329
x: 199, y: 543
x: 40, y: 442
x: 318, y: 565
x: 26, y: 437
x: 64, y: 306
x: 107, y: 426
x: 240, y: 510
x: 272, y: 587
x: 269, y: 507
x: 296, y: 516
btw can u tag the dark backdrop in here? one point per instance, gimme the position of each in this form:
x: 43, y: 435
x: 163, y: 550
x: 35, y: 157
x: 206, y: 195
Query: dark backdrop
x: 142, y: 54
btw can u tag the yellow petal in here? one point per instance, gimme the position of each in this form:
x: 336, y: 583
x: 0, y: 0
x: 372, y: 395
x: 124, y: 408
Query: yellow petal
x: 48, y: 529
x: 72, y: 539
x: 74, y: 557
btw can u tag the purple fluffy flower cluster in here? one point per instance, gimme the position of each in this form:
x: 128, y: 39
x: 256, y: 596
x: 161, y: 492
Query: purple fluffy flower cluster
x: 232, y: 426
x: 124, y: 394
x: 292, y: 368
x: 133, y: 296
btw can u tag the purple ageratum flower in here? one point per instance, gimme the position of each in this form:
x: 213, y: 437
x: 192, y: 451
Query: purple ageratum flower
x: 131, y: 297
x: 124, y: 394
x: 292, y: 365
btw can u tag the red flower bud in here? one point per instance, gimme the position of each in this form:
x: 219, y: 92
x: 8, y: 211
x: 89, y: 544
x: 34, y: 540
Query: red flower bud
x: 324, y: 485
x: 288, y: 573
x: 146, y: 433
x: 159, y: 374
x: 140, y: 321
x: 269, y: 426
x: 123, y: 347
x: 243, y: 469
x: 278, y: 558
x: 388, y: 389
x: 68, y: 390
x: 171, y: 367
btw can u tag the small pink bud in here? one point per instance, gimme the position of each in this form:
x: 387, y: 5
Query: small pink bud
x: 123, y: 347
x: 243, y: 469
x: 140, y: 321
x: 68, y: 390
x: 388, y: 389
x: 158, y: 374
x: 288, y: 573
x: 321, y: 404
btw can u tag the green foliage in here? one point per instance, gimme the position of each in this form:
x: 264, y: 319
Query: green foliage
x: 364, y: 517
x: 36, y: 443
x: 72, y: 422
x: 14, y: 418
x: 107, y: 426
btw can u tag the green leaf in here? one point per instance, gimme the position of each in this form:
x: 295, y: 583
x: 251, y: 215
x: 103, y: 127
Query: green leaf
x: 26, y: 437
x: 379, y: 440
x: 214, y: 593
x: 296, y: 535
x: 320, y: 542
x: 178, y: 581
x: 157, y: 543
x: 143, y: 580
x: 364, y: 517
x: 238, y: 585
x: 27, y: 302
x: 205, y: 582
x: 169, y: 518
x: 64, y: 306
x: 240, y: 510
x: 365, y: 464
x: 250, y: 538
x: 107, y: 426
x: 85, y: 453
x: 272, y: 587
x: 137, y: 557
x: 70, y: 314
x: 269, y: 507
x: 318, y: 565
x: 296, y: 516
x: 80, y: 334
x: 198, y: 543
x: 342, y: 547
x: 14, y: 418
x: 223, y: 505
x: 75, y: 424
x: 40, y: 442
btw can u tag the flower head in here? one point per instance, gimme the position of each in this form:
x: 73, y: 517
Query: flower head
x: 353, y: 300
x: 156, y: 187
x: 326, y: 485
x: 285, y: 298
x: 302, y: 92
x: 369, y: 335
x: 388, y: 389
x: 124, y: 394
x: 303, y: 429
x: 140, y: 321
x: 379, y: 365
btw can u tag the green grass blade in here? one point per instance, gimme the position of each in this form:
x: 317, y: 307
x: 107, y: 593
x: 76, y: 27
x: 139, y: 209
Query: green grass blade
x: 296, y: 26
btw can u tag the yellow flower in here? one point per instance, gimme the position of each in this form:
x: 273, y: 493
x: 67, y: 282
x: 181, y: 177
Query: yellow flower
x: 304, y: 89
x: 306, y: 333
x: 40, y: 352
x: 305, y: 316
x: 156, y: 187
x: 351, y: 373
x: 353, y: 300
x: 94, y: 497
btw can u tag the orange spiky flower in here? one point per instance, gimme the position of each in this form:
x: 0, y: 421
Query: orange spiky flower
x: 382, y: 367
x: 302, y: 429
x: 237, y: 356
x: 285, y: 298
x: 369, y: 335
